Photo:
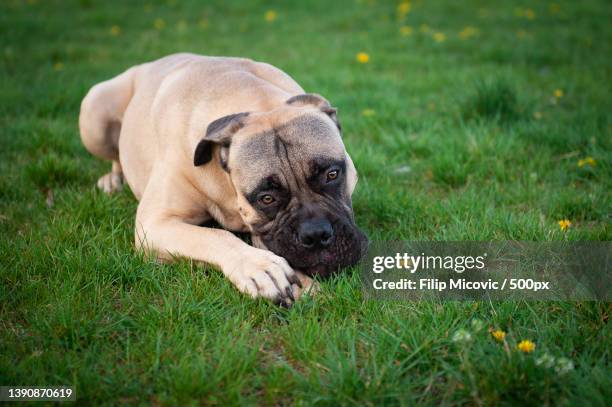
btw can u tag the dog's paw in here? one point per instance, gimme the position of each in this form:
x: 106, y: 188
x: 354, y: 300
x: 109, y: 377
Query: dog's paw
x: 111, y: 182
x: 263, y: 274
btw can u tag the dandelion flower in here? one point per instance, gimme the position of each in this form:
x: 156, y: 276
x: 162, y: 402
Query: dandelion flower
x: 526, y: 346
x: 406, y: 263
x: 203, y: 23
x: 558, y: 93
x: 115, y: 30
x: 439, y: 37
x: 403, y: 9
x: 564, y: 224
x: 368, y: 112
x: 58, y: 66
x: 588, y: 160
x: 530, y: 14
x: 462, y: 336
x: 468, y: 32
x: 554, y: 8
x: 499, y: 335
x: 159, y: 23
x: 363, y: 58
x: 521, y: 33
x: 406, y: 31
x: 270, y: 16
x: 564, y: 365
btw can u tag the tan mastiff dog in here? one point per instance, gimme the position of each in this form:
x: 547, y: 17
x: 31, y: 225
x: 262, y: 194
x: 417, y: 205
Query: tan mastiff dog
x: 239, y: 142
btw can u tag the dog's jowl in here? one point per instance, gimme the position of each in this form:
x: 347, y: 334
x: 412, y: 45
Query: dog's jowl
x: 199, y: 138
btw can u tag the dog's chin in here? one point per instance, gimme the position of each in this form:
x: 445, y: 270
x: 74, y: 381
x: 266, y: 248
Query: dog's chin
x: 347, y: 251
x: 322, y: 264
x: 320, y: 270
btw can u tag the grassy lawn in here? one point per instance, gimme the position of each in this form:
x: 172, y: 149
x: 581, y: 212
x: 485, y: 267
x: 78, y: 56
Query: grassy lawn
x: 471, y: 120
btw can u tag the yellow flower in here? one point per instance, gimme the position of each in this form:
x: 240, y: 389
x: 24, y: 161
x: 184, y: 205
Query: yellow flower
x: 58, y: 66
x: 526, y: 346
x: 159, y: 23
x: 537, y: 115
x: 588, y: 160
x: 270, y: 16
x: 368, y: 112
x: 564, y: 224
x: 424, y: 28
x: 439, y: 37
x: 558, y: 93
x: 406, y: 30
x: 115, y: 30
x: 203, y: 23
x: 403, y: 9
x: 468, y: 32
x: 527, y: 13
x: 554, y: 8
x: 363, y: 58
x: 499, y: 335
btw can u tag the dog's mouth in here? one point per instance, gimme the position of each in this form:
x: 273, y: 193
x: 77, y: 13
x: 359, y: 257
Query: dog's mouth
x: 347, y: 246
x: 326, y: 263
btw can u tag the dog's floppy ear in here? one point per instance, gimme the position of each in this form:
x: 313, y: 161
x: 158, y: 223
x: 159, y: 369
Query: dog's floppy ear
x: 220, y: 132
x: 317, y: 101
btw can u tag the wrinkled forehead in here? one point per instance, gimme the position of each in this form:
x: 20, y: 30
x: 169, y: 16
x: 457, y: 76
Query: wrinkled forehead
x: 292, y: 147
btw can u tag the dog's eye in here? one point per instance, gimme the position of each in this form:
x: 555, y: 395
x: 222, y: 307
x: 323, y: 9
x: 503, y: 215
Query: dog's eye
x: 332, y: 175
x: 266, y: 199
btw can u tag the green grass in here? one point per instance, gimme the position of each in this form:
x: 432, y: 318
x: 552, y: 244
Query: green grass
x: 461, y: 140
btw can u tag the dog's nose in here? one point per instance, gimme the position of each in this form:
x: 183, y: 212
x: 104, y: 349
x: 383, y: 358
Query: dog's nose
x: 315, y: 232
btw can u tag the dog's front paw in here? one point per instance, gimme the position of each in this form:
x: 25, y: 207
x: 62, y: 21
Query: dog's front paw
x: 261, y: 273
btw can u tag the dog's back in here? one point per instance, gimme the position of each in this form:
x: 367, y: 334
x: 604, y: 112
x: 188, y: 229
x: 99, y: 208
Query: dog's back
x: 138, y: 115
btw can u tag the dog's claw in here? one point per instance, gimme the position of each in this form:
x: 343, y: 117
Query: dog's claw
x: 281, y: 301
x: 289, y: 293
x: 296, y: 280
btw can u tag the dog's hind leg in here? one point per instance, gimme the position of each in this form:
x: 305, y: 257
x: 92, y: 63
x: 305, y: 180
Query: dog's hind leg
x: 100, y: 124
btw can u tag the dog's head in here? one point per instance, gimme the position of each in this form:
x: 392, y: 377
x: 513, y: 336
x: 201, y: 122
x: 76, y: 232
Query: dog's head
x: 293, y: 180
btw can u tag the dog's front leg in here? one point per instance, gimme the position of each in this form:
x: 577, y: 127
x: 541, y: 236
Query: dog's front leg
x: 259, y: 273
x: 308, y: 286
